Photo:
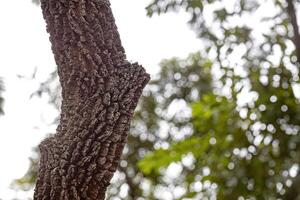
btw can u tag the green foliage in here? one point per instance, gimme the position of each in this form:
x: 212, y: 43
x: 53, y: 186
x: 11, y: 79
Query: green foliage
x: 27, y: 182
x: 164, y: 157
x: 247, y: 155
x: 254, y: 146
x: 229, y: 27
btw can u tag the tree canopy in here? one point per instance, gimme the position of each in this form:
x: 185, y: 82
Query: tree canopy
x: 243, y: 150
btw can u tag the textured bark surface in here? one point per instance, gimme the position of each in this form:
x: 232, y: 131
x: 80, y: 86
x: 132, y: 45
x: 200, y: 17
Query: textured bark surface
x: 100, y: 91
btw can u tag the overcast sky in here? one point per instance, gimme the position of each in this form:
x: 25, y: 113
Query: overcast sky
x: 24, y: 45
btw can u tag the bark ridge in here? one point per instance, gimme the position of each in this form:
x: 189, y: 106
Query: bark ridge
x: 100, y: 91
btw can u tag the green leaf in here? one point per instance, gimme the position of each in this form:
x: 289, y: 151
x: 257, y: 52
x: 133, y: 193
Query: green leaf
x: 164, y: 157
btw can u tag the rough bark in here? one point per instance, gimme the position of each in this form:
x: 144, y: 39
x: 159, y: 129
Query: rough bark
x: 100, y: 91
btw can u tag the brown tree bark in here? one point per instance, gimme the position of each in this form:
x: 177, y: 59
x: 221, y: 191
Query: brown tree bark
x: 100, y: 91
x: 293, y: 193
x: 291, y: 11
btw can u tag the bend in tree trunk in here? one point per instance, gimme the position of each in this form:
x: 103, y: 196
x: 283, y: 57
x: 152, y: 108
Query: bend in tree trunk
x: 100, y: 91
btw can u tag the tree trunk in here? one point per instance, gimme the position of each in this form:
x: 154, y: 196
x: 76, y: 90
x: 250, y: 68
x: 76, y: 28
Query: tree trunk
x: 291, y: 11
x: 100, y: 91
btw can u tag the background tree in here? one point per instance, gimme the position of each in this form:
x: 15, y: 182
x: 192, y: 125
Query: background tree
x: 248, y: 150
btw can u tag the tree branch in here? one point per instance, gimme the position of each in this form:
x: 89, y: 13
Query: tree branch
x: 293, y: 19
x: 293, y: 193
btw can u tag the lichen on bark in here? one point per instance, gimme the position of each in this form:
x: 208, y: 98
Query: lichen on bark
x: 100, y: 90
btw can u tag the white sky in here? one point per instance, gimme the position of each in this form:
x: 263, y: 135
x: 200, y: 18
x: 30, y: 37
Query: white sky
x: 24, y: 45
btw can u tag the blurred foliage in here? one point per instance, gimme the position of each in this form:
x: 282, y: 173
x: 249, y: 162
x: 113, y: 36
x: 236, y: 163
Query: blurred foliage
x: 36, y: 2
x: 27, y: 182
x: 250, y: 151
x: 253, y: 151
x: 223, y: 123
